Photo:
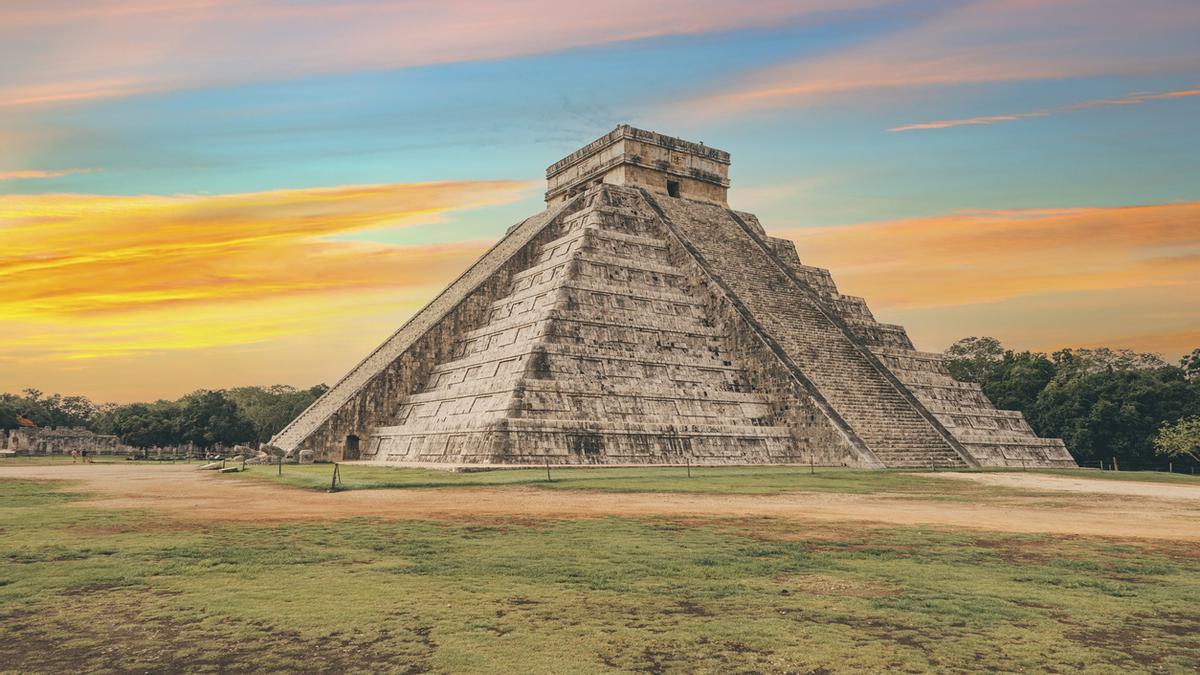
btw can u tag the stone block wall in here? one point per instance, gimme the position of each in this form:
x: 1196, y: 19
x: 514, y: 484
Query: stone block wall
x: 60, y: 441
x: 992, y: 437
x: 371, y: 393
x: 629, y: 327
x: 601, y: 353
x: 891, y: 423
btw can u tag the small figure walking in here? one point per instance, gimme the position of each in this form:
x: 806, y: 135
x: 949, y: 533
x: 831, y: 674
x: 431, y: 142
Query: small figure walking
x: 86, y: 459
x: 74, y: 456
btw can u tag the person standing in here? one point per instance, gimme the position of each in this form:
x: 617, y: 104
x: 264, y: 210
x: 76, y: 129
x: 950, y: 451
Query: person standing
x: 74, y: 456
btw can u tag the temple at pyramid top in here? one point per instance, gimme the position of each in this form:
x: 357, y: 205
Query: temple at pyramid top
x: 635, y: 157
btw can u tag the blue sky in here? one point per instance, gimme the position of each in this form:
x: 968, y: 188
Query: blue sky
x: 1067, y: 105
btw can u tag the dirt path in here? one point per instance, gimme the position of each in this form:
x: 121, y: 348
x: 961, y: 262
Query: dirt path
x: 189, y: 494
x: 1041, y: 481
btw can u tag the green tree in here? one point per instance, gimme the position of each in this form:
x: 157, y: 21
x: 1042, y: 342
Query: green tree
x: 269, y: 409
x: 1179, y: 438
x: 209, y: 418
x: 1012, y: 380
x: 142, y: 425
x: 68, y: 411
x: 46, y: 411
x: 1190, y: 364
x: 1113, y: 412
x: 974, y: 359
x: 1015, y: 382
x: 1081, y: 361
x: 10, y: 407
x: 206, y: 418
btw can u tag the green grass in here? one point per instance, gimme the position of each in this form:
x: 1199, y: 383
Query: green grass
x: 712, y: 480
x: 726, y: 480
x: 1142, y: 476
x: 91, y: 589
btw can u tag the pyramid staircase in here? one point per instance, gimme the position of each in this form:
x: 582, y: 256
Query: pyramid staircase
x: 863, y: 393
x: 599, y: 352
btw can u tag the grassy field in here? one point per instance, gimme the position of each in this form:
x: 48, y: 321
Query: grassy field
x: 731, y: 480
x: 1143, y: 476
x: 727, y: 480
x: 710, y: 479
x: 86, y: 589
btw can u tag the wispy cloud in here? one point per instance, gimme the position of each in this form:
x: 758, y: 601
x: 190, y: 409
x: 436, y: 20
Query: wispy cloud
x: 77, y: 52
x: 979, y: 42
x: 116, y: 275
x: 73, y: 92
x: 1127, y: 100
x: 992, y: 256
x: 33, y: 174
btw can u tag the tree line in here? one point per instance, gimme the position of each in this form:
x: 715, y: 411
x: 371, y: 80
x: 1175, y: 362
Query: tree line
x: 205, y: 418
x: 1104, y: 403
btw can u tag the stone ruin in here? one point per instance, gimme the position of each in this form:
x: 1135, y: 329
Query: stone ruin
x: 60, y: 441
x: 640, y: 320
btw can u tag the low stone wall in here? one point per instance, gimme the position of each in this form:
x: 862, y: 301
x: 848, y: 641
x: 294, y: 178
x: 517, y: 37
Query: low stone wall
x: 60, y: 441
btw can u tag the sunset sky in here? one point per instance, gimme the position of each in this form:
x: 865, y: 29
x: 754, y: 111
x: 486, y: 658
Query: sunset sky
x: 214, y: 193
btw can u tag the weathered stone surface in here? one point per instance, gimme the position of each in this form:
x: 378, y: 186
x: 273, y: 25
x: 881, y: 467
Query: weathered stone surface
x: 60, y: 441
x: 627, y: 325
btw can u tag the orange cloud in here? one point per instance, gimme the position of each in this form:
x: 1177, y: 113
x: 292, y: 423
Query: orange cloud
x: 989, y: 256
x: 1130, y: 99
x: 1172, y: 343
x: 29, y: 174
x: 1036, y: 278
x: 86, y: 276
x: 72, y: 92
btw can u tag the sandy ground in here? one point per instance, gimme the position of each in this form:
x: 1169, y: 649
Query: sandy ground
x: 1099, y: 507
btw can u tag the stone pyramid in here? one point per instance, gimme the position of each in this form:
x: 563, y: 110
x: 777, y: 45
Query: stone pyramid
x: 638, y: 319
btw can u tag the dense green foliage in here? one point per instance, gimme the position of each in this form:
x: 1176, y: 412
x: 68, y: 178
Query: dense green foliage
x: 205, y: 418
x: 268, y: 409
x: 1190, y: 364
x: 45, y: 411
x: 1103, y: 403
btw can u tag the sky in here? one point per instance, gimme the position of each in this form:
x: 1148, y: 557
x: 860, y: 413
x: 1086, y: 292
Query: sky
x: 217, y: 193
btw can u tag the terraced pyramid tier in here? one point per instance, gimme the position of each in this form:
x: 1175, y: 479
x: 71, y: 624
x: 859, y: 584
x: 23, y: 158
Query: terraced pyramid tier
x: 640, y: 320
x: 598, y: 353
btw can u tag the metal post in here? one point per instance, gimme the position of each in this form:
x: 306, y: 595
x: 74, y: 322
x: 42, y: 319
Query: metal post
x: 548, y: 479
x: 281, y: 465
x: 1116, y: 467
x: 689, y: 464
x: 334, y: 479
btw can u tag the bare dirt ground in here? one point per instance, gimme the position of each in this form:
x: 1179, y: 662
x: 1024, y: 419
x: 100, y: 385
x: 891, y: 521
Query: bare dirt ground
x: 1099, y: 508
